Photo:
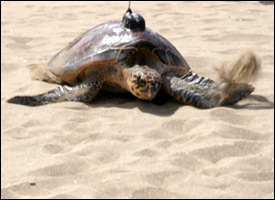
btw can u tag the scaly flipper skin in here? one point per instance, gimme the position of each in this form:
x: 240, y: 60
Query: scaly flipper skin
x: 204, y: 93
x: 84, y: 92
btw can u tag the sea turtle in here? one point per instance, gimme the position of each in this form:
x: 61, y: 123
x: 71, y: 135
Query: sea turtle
x: 127, y: 56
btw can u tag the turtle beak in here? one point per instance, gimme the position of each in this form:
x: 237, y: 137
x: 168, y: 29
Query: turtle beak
x: 153, y: 90
x: 155, y: 87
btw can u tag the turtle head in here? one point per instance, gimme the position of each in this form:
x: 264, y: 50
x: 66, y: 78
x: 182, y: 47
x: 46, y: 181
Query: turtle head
x: 143, y: 82
x: 133, y: 21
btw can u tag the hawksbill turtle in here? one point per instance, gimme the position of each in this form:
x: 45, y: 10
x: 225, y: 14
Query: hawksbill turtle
x: 127, y: 56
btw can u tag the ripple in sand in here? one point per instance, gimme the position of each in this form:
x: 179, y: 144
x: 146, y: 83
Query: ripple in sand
x: 64, y: 169
x: 18, y: 133
x: 188, y: 162
x: 154, y: 193
x: 256, y: 176
x: 52, y: 148
x: 229, y: 116
x: 22, y: 189
x: 216, y: 153
x: 146, y: 152
x: 157, y: 179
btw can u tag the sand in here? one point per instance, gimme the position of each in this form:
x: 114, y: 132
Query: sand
x: 121, y: 147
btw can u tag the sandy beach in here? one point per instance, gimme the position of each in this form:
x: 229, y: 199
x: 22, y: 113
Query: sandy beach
x: 122, y: 147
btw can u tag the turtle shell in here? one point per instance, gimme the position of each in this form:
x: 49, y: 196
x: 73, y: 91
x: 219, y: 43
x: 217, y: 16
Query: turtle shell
x: 109, y: 44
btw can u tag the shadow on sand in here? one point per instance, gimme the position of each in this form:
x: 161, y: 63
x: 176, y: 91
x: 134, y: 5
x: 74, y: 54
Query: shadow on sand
x: 258, y: 103
x: 163, y: 104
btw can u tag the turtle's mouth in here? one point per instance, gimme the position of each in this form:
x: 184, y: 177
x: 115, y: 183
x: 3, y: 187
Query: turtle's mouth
x: 147, y: 92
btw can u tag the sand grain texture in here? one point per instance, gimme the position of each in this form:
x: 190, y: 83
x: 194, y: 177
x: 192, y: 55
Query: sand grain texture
x: 120, y: 147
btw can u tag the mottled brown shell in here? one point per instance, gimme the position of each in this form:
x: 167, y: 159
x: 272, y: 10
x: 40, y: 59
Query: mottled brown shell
x: 109, y: 44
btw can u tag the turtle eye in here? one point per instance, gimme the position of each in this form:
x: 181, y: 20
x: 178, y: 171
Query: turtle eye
x: 141, y: 82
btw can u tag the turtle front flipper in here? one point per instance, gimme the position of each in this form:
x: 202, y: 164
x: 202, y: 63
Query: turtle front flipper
x: 84, y: 92
x: 204, y: 93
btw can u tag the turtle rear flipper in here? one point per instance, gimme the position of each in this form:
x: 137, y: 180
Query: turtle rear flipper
x: 235, y: 92
x: 203, y: 92
x: 83, y: 92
